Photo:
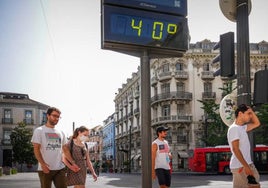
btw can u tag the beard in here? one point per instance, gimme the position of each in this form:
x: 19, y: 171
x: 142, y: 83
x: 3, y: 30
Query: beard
x: 52, y: 123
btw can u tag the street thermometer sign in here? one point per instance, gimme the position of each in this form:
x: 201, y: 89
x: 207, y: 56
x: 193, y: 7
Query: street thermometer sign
x: 132, y: 30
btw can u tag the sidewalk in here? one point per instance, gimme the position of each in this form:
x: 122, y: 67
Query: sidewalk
x: 115, y: 180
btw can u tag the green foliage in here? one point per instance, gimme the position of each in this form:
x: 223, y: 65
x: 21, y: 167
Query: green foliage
x: 22, y: 146
x: 14, y: 171
x: 227, y: 88
x: 214, y: 129
x: 260, y: 134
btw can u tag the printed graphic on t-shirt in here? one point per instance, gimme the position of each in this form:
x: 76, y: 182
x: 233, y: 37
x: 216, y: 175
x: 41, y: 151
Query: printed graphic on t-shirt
x: 163, y: 148
x: 53, y: 141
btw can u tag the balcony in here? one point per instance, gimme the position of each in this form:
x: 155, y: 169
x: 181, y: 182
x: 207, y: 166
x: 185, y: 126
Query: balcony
x: 181, y: 75
x: 181, y: 95
x: 6, y: 142
x: 28, y: 121
x: 153, y: 81
x: 208, y: 95
x: 164, y: 76
x: 7, y: 120
x: 207, y: 75
x: 172, y: 119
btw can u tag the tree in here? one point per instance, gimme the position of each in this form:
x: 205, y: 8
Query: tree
x: 22, y: 146
x: 260, y: 134
x: 227, y: 88
x: 214, y: 129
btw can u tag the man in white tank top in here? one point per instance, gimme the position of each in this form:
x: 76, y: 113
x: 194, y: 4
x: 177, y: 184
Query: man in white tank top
x: 161, y: 158
x: 241, y: 163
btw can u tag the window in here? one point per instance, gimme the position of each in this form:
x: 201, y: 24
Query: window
x: 180, y: 87
x: 7, y: 113
x: 44, y: 118
x: 181, y: 138
x: 207, y: 87
x: 166, y: 110
x: 179, y: 66
x: 165, y: 88
x: 6, y: 136
x: 206, y: 67
x: 165, y: 68
x: 180, y: 109
x: 28, y: 116
x: 7, y: 116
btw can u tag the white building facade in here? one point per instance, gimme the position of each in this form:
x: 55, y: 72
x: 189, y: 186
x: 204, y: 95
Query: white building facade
x: 176, y: 86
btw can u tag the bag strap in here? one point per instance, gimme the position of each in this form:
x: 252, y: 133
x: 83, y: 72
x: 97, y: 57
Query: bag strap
x: 71, y: 147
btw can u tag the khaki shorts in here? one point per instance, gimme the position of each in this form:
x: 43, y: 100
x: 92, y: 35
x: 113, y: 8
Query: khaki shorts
x: 240, y: 178
x: 57, y: 177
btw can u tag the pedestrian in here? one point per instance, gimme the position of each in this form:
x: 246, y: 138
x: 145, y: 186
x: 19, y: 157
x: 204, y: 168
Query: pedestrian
x: 241, y: 164
x: 161, y: 158
x: 47, y: 143
x: 80, y: 156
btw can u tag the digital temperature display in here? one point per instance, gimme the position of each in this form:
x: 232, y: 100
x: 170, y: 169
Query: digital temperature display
x: 144, y: 29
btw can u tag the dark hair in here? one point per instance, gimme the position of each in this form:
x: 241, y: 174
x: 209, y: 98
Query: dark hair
x: 241, y: 108
x: 52, y: 109
x: 79, y: 129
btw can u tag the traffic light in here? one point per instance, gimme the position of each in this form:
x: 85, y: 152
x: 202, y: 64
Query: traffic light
x: 260, y: 87
x: 226, y: 56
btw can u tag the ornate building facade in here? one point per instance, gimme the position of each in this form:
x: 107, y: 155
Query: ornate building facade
x: 176, y: 86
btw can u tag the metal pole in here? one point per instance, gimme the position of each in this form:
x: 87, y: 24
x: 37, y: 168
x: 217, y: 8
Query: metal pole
x: 243, y: 61
x: 146, y: 122
x: 73, y: 126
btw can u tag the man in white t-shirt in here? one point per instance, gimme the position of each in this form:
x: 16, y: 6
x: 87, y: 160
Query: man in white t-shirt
x: 241, y: 163
x: 48, y: 143
x: 161, y: 158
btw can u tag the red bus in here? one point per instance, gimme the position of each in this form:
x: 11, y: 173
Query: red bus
x: 217, y: 159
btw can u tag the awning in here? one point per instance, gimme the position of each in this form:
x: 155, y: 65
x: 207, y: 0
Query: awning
x: 183, y: 154
x: 137, y: 156
x: 132, y: 156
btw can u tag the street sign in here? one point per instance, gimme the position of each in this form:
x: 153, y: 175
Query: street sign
x: 177, y: 7
x: 134, y: 30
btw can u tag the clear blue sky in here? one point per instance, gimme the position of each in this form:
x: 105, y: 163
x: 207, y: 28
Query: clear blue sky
x: 50, y: 49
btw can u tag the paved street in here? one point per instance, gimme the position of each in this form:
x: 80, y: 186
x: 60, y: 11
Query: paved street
x: 30, y: 180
